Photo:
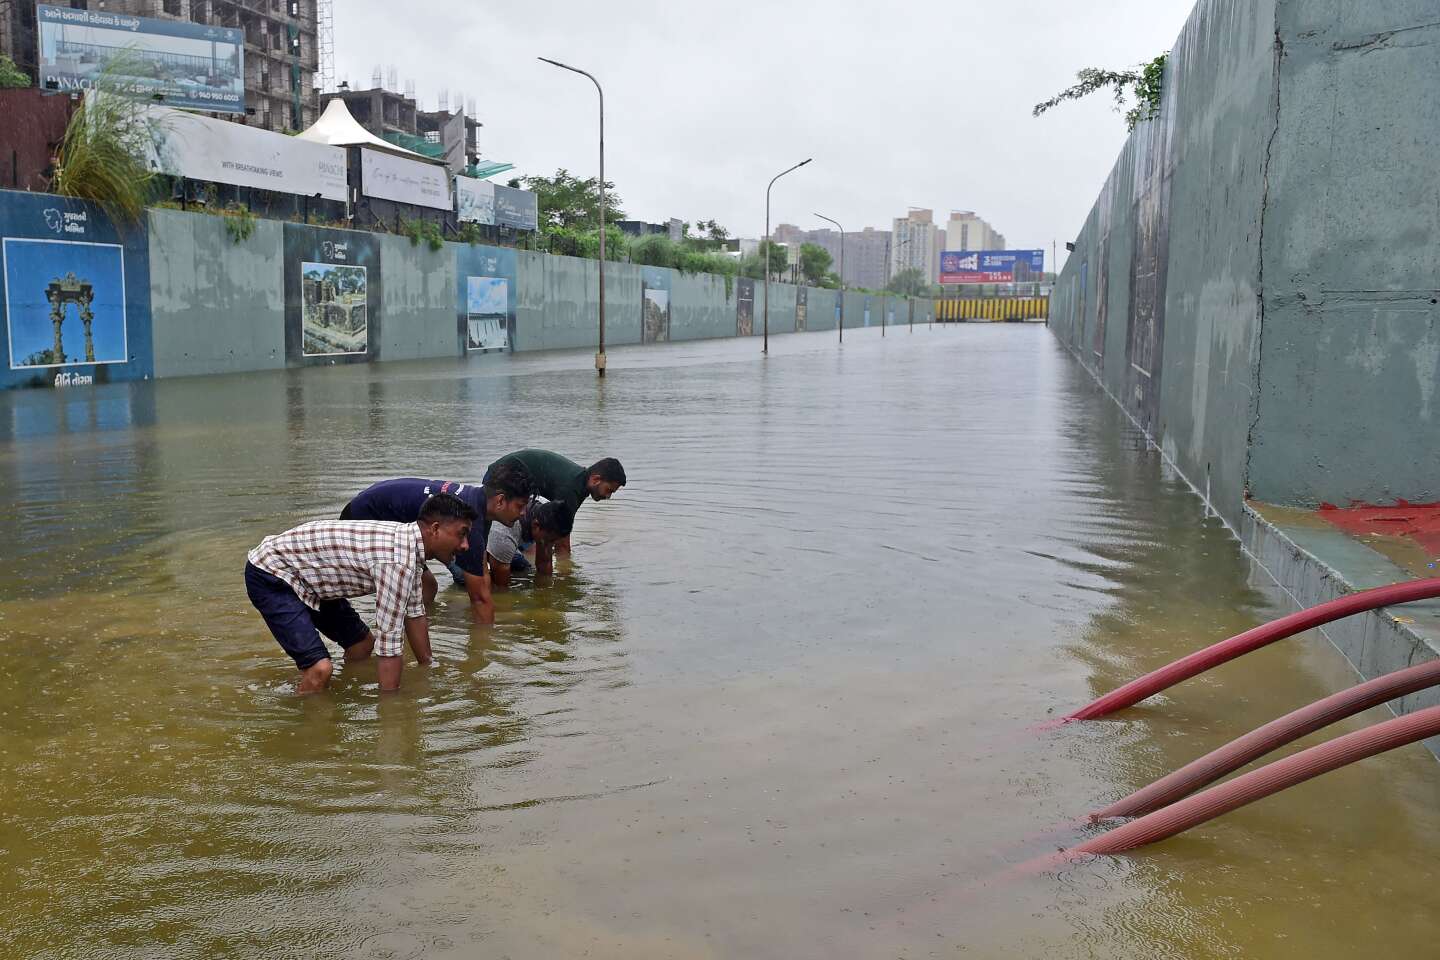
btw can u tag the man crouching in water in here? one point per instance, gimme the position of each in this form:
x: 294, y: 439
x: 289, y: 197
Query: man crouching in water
x: 500, y: 499
x: 301, y: 581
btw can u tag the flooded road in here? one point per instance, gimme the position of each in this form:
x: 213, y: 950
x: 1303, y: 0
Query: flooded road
x: 770, y: 710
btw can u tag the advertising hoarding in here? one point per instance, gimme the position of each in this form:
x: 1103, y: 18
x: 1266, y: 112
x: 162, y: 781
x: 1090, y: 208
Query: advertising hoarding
x: 516, y: 208
x: 203, y: 148
x: 333, y: 295
x: 404, y: 181
x: 654, y: 304
x: 991, y: 266
x: 485, y: 297
x: 184, y: 64
x: 475, y: 200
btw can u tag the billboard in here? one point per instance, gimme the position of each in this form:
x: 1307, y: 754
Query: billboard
x: 404, y: 181
x: 64, y: 302
x: 475, y: 200
x: 991, y: 266
x: 74, y: 295
x: 202, y: 148
x: 744, y: 306
x: 654, y: 304
x: 516, y: 208
x: 486, y: 297
x: 332, y: 295
x: 181, y: 63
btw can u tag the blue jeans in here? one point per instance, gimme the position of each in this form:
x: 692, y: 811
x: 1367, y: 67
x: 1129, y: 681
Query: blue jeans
x: 295, y: 626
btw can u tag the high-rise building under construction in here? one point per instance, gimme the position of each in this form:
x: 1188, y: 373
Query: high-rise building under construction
x: 282, y: 47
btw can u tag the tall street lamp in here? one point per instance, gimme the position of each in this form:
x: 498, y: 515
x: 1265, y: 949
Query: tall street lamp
x: 600, y: 355
x: 842, y: 271
x: 898, y: 248
x: 765, y: 348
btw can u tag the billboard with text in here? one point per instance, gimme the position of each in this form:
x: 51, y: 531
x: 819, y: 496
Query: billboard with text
x: 992, y: 266
x: 176, y: 62
x: 404, y: 181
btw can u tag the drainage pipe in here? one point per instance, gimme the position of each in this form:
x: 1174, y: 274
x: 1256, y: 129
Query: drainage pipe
x: 1271, y: 778
x: 1271, y: 736
x: 1226, y: 650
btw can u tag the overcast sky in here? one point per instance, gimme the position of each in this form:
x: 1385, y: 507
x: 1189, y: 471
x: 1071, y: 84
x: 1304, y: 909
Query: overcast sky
x: 899, y: 103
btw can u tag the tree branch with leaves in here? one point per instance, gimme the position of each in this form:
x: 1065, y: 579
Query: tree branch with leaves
x: 1144, y: 82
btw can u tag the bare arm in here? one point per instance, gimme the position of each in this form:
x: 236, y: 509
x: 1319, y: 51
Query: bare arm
x: 417, y: 632
x: 482, y: 604
x: 499, y: 573
x: 544, y: 558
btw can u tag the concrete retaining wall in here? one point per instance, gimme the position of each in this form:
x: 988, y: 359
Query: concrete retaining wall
x: 215, y: 313
x: 1256, y: 281
x: 419, y: 301
x: 222, y: 303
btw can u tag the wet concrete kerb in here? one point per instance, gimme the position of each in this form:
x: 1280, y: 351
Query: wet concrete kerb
x: 1313, y: 562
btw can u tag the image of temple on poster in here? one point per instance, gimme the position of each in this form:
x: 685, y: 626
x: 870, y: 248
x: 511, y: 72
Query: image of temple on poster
x: 64, y: 302
x: 335, y: 316
x: 744, y: 306
x: 486, y: 309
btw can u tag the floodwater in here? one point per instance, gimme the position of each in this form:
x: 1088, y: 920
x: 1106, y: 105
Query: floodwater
x: 774, y: 708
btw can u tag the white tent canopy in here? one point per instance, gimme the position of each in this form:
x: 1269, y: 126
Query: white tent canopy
x: 338, y: 128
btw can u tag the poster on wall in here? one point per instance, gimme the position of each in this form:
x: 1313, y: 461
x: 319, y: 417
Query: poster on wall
x: 654, y: 304
x: 203, y: 148
x: 74, y: 295
x: 475, y: 201
x: 64, y: 303
x: 802, y: 306
x: 485, y: 313
x: 335, y: 309
x: 744, y: 306
x: 176, y: 62
x: 404, y: 181
x: 485, y: 296
x: 332, y: 295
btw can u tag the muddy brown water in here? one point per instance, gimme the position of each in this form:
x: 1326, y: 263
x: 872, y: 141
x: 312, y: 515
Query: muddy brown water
x: 770, y: 710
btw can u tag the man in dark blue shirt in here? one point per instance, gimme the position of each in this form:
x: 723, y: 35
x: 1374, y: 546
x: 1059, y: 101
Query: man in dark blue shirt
x: 501, y: 499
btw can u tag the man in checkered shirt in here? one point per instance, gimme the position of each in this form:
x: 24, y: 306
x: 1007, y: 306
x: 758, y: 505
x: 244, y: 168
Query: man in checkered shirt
x: 300, y: 580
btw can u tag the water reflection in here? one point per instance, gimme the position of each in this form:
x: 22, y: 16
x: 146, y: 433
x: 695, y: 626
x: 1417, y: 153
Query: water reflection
x: 771, y: 709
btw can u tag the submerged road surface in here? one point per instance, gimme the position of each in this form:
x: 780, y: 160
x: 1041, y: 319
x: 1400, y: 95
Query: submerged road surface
x: 769, y: 710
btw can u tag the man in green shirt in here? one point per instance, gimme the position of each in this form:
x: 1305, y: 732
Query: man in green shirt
x: 561, y: 480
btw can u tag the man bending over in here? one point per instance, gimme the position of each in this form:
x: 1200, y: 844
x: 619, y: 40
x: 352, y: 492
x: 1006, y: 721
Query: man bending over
x: 542, y: 525
x: 301, y: 581
x: 500, y: 499
x: 564, y: 481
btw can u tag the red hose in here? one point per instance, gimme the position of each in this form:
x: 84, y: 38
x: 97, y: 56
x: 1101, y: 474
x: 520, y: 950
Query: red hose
x: 1271, y: 778
x: 1216, y: 654
x: 1271, y: 736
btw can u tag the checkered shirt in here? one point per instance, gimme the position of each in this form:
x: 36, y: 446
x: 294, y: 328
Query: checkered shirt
x: 335, y: 559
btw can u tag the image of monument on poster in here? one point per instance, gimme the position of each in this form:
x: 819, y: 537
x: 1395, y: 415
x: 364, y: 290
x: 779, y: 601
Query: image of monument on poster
x: 744, y: 306
x: 486, y: 309
x: 64, y: 303
x: 657, y: 315
x: 334, y: 316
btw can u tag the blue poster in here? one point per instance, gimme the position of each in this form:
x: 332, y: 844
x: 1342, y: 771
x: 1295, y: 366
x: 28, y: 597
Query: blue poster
x: 654, y: 304
x: 66, y: 302
x: 76, y: 294
x: 485, y: 296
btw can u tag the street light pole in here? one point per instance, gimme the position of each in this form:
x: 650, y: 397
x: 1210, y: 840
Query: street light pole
x: 600, y: 355
x: 898, y: 247
x: 842, y: 271
x: 765, y: 348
